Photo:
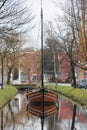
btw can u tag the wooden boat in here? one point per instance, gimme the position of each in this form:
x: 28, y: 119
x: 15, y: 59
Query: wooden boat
x: 42, y: 95
x: 42, y: 102
x: 42, y: 111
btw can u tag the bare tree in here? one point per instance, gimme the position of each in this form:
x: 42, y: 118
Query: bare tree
x: 3, y: 52
x: 66, y: 35
x: 79, y: 12
x: 72, y: 33
x: 13, y: 16
x: 14, y: 43
x: 51, y: 51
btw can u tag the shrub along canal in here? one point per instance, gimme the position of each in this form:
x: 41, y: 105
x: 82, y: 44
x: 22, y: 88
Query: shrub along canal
x: 15, y: 116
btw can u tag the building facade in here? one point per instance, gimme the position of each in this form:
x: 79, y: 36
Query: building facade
x: 29, y: 68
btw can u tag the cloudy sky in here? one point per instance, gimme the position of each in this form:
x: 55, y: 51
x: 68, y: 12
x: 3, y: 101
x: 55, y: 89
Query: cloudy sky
x: 49, y: 12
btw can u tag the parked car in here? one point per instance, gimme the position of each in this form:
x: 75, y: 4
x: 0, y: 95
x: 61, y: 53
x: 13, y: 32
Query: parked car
x: 82, y: 83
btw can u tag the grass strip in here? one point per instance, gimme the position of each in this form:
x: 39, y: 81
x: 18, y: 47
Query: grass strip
x: 75, y: 94
x: 6, y: 94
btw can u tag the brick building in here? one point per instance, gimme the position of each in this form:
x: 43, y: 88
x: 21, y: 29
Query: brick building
x: 64, y: 73
x: 29, y: 69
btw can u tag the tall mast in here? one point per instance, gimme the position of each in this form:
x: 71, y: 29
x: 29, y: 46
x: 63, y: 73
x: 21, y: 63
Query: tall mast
x: 42, y: 83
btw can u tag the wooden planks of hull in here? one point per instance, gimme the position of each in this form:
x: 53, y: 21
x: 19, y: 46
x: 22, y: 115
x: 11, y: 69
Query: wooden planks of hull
x: 42, y: 96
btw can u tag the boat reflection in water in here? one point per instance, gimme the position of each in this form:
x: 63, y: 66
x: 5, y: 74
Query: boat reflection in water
x: 42, y: 110
x: 42, y: 103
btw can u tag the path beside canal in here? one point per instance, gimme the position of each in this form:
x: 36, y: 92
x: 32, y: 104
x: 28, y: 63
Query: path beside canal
x: 6, y: 94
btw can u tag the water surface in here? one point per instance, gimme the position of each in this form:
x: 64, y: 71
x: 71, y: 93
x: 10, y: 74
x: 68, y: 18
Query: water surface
x: 14, y: 116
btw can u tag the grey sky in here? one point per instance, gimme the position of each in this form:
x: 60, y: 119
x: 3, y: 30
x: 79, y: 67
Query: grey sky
x: 48, y: 7
x: 49, y: 12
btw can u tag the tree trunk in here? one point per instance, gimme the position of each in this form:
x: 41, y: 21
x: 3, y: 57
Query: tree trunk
x: 73, y: 118
x: 8, y: 76
x: 73, y: 74
x: 2, y: 73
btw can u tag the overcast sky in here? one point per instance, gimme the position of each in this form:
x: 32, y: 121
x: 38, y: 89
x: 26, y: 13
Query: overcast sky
x: 49, y: 12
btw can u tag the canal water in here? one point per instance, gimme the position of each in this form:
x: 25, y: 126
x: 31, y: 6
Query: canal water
x: 14, y: 116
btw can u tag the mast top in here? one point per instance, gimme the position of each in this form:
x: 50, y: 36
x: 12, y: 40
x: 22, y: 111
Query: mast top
x: 41, y: 3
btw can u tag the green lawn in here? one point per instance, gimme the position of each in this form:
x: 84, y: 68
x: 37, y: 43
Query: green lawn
x: 7, y: 94
x: 75, y: 94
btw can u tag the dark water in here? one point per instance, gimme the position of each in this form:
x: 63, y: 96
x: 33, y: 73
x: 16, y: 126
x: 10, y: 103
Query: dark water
x: 14, y: 116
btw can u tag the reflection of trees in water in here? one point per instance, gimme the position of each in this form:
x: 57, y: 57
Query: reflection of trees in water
x: 66, y: 115
x: 12, y: 118
x: 4, y: 120
x: 5, y: 117
x: 12, y: 115
x: 16, y: 118
x: 33, y: 121
x: 1, y: 119
x: 52, y: 121
x: 73, y: 117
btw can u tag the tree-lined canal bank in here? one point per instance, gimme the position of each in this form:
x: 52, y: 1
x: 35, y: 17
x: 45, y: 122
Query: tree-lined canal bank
x: 79, y: 96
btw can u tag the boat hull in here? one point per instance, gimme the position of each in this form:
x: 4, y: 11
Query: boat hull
x: 46, y: 96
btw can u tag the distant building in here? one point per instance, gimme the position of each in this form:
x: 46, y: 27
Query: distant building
x: 64, y: 73
x: 29, y: 68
